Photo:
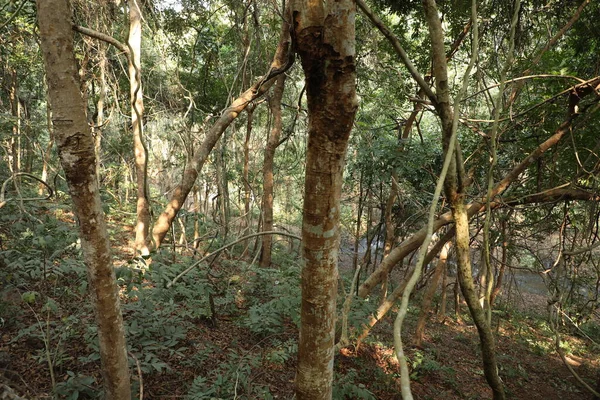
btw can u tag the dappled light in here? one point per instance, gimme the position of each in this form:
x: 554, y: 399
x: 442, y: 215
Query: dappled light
x: 317, y: 200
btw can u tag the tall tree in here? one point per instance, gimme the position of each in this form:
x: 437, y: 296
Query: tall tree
x: 324, y: 34
x: 455, y: 190
x: 134, y: 42
x: 281, y: 62
x: 76, y: 150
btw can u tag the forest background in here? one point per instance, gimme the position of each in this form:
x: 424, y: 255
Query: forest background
x: 219, y: 161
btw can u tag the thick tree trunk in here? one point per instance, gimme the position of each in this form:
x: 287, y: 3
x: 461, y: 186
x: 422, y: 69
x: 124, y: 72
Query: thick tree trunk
x: 281, y: 62
x: 272, y: 143
x: 76, y: 150
x: 134, y: 42
x: 325, y: 39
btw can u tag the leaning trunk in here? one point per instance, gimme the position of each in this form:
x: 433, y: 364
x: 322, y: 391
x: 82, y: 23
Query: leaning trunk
x: 280, y: 64
x: 325, y: 39
x: 76, y: 150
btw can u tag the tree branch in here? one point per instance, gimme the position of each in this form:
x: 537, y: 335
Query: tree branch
x: 103, y: 37
x: 399, y: 50
x: 220, y: 249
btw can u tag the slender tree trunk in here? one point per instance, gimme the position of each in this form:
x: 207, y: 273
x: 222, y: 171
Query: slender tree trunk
x: 76, y: 150
x: 246, y: 173
x: 325, y: 39
x: 272, y: 143
x: 358, y: 224
x: 48, y: 152
x: 15, y: 139
x: 454, y: 187
x: 500, y: 278
x: 442, y: 309
x: 100, y: 108
x: 222, y: 189
x: 428, y: 295
x: 134, y: 42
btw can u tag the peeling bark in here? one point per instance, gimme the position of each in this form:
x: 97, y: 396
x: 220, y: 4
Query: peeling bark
x: 76, y: 151
x: 325, y: 39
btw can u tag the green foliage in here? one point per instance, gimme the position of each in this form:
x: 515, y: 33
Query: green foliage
x: 423, y: 363
x: 345, y: 388
x: 232, y: 379
x: 276, y: 294
x: 77, y: 387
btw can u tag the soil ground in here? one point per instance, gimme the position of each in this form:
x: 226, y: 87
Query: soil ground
x: 447, y: 366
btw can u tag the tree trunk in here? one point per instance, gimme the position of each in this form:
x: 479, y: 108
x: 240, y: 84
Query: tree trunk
x: 454, y: 187
x: 272, y: 143
x: 15, y: 139
x: 48, y: 152
x: 76, y: 150
x: 246, y: 174
x: 504, y: 261
x: 325, y: 39
x: 428, y: 295
x: 222, y: 190
x: 103, y: 64
x: 134, y: 42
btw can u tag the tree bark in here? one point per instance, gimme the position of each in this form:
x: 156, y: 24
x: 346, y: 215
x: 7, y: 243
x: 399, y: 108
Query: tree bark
x: 325, y: 38
x: 272, y: 144
x: 76, y: 151
x: 246, y: 173
x: 134, y: 42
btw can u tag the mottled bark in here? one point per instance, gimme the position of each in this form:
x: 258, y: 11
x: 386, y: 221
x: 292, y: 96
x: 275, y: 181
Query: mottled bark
x: 281, y: 62
x: 325, y: 38
x: 76, y: 151
x: 272, y: 143
x: 134, y: 42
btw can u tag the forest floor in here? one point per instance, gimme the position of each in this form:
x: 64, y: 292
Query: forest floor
x: 222, y: 357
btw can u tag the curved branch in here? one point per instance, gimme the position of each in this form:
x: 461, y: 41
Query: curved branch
x: 103, y: 37
x: 3, y: 200
x: 220, y: 249
x: 17, y: 11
